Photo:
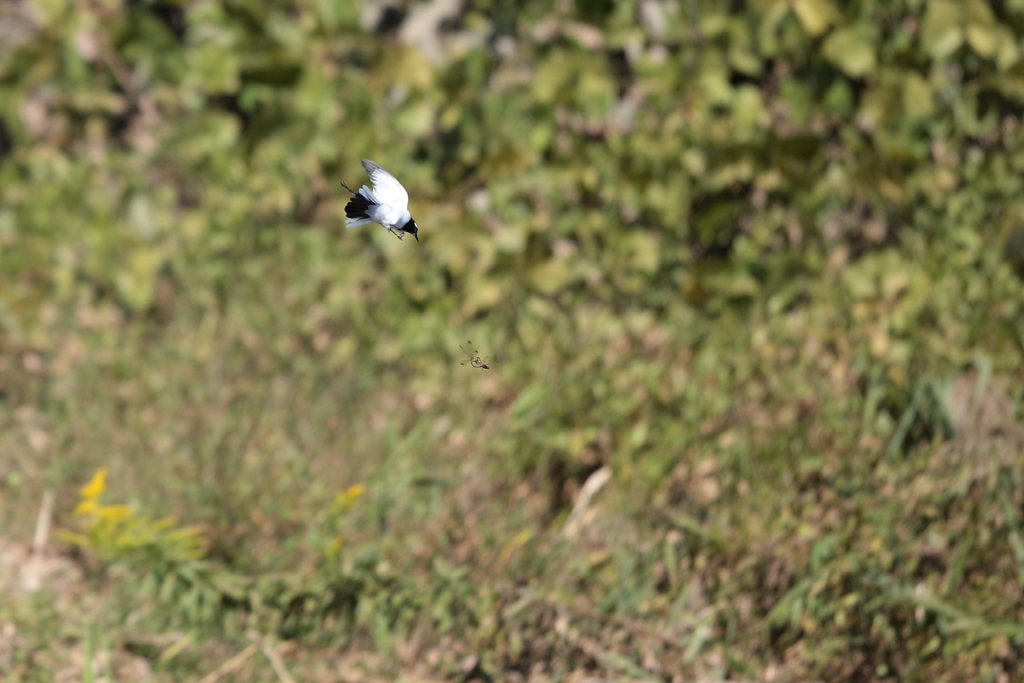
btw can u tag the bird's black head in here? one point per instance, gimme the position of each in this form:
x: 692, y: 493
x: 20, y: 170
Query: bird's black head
x: 413, y: 228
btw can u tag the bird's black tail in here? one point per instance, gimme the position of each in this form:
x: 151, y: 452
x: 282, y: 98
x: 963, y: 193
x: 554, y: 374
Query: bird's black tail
x: 357, y: 206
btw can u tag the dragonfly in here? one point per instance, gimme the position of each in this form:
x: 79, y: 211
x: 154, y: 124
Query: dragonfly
x: 474, y: 360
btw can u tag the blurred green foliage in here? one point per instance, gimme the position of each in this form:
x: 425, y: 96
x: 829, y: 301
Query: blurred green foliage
x: 739, y: 252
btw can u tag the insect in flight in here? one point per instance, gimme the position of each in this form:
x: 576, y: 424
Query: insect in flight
x: 474, y: 359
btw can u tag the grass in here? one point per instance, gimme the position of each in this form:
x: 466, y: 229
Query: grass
x: 772, y: 506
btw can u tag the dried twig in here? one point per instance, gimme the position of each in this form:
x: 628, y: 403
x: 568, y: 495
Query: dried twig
x: 42, y: 534
x: 271, y: 653
x: 230, y: 665
x: 594, y: 483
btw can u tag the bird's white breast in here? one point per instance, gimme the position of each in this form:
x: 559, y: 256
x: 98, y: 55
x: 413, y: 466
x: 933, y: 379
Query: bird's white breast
x: 388, y: 216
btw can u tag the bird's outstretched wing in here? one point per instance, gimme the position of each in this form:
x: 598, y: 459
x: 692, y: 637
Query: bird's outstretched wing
x: 386, y: 188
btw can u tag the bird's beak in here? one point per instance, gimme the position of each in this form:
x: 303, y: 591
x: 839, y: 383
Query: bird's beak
x: 416, y: 235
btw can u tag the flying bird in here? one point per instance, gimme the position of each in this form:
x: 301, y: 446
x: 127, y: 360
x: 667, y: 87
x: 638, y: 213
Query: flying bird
x: 387, y: 203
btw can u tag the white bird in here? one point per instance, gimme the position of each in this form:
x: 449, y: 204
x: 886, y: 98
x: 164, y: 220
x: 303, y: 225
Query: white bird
x: 387, y: 203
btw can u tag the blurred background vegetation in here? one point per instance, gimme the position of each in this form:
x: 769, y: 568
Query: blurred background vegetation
x: 751, y: 269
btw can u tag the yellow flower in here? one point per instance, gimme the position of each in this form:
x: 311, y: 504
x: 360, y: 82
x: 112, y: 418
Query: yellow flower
x: 115, y: 513
x: 94, y: 489
x: 85, y: 507
x: 344, y: 500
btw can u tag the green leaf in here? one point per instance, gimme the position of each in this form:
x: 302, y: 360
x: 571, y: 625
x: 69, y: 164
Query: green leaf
x: 551, y: 276
x: 595, y: 90
x: 1007, y: 52
x: 979, y: 13
x: 551, y: 77
x: 815, y: 16
x: 644, y: 251
x: 852, y: 50
x: 481, y: 294
x: 415, y: 119
x: 918, y: 98
x: 942, y: 31
x: 983, y: 39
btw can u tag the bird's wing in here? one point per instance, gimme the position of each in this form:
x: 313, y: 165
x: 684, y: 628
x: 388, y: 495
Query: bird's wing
x: 386, y: 188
